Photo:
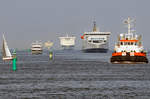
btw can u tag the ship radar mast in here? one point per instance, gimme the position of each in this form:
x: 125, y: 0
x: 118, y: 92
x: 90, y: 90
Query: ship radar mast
x: 94, y: 27
x: 129, y: 22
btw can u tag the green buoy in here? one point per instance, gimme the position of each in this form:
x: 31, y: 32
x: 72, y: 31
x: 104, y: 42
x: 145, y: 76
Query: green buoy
x: 14, y: 68
x: 29, y: 50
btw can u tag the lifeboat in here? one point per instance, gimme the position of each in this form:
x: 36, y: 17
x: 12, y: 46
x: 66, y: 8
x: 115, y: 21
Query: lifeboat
x: 129, y: 48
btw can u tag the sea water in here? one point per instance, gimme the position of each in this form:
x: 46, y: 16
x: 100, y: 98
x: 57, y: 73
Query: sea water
x: 73, y: 74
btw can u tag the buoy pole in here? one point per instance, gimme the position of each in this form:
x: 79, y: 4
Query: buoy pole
x: 51, y: 55
x: 14, y: 61
x: 14, y: 68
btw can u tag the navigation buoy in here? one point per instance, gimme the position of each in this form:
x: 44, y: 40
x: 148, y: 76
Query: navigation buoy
x: 14, y: 68
x: 50, y: 55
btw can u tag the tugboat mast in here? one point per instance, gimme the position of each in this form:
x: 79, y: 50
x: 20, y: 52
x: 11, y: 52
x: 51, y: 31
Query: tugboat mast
x: 129, y: 25
x: 129, y: 21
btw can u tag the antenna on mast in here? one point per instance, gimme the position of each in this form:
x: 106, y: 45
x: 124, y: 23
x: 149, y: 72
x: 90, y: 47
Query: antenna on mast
x: 130, y: 24
x: 94, y: 27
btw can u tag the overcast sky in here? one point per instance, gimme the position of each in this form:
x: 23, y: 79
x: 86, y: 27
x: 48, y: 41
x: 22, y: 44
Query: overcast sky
x: 25, y: 21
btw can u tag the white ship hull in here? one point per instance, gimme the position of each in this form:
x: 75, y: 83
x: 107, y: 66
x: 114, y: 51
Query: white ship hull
x: 36, y: 51
x: 36, y: 48
x: 67, y: 41
x: 94, y: 47
x: 7, y: 58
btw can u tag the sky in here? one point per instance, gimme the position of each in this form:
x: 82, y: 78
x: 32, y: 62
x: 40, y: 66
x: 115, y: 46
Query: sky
x: 25, y: 21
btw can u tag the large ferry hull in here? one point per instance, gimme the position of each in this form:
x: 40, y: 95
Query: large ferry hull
x: 101, y: 50
x: 91, y: 47
x: 128, y: 59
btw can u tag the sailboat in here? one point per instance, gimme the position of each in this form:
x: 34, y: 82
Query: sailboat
x: 6, y: 55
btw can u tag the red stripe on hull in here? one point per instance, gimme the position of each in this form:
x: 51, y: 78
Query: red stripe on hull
x: 135, y: 54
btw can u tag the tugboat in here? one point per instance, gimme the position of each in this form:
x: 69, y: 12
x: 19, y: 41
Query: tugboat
x: 129, y: 48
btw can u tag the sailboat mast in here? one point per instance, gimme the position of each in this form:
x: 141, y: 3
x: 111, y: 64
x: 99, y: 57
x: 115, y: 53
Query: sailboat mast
x: 3, y: 48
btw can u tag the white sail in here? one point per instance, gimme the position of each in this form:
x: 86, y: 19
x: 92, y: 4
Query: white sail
x: 5, y: 50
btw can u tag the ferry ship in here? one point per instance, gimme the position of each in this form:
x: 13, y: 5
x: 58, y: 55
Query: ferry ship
x: 95, y: 41
x: 36, y: 48
x: 67, y: 41
x: 129, y: 48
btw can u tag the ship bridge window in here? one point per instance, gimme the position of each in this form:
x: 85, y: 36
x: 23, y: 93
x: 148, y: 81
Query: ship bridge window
x: 67, y: 38
x: 125, y: 43
x: 128, y: 43
x: 121, y: 43
x: 135, y: 43
x: 131, y: 43
x: 37, y: 47
x: 96, y: 41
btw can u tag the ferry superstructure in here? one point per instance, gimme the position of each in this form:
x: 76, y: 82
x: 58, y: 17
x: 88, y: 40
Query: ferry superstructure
x: 95, y: 41
x: 36, y: 47
x: 67, y: 41
x: 129, y: 48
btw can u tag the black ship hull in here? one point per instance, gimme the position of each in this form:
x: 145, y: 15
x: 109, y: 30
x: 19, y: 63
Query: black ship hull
x: 129, y: 59
x: 96, y: 50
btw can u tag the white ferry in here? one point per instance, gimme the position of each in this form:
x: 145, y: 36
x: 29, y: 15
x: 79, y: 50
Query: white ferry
x: 129, y: 48
x: 36, y: 48
x: 67, y: 41
x: 95, y: 41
